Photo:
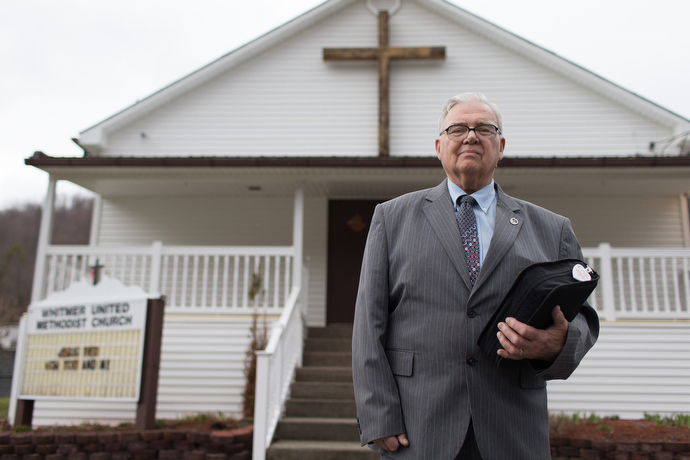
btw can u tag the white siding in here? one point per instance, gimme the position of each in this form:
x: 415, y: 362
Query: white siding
x: 206, y: 220
x: 286, y: 101
x: 633, y: 368
x: 622, y: 221
x: 202, y: 371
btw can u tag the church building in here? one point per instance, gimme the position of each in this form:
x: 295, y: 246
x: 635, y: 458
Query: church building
x: 266, y: 164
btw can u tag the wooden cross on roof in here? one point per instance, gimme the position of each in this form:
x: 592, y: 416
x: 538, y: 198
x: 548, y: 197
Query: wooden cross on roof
x: 383, y: 54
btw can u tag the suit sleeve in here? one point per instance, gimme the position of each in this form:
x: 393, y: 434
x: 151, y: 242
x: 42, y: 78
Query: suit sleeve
x: 379, y: 411
x: 583, y: 330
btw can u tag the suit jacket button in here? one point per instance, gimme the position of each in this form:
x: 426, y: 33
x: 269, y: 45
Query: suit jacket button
x: 471, y: 361
x: 471, y: 313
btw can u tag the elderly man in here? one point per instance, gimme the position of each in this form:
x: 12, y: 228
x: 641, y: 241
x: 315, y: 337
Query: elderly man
x: 436, y: 265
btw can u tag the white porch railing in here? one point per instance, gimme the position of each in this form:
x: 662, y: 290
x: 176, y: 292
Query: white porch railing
x: 195, y: 279
x: 636, y: 283
x: 640, y: 283
x: 275, y: 369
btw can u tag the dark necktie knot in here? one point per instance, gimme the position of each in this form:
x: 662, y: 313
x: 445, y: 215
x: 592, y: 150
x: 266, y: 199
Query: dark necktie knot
x: 467, y: 199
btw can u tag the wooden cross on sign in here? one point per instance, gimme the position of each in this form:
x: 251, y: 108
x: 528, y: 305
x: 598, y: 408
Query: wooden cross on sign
x: 383, y: 54
x: 96, y: 272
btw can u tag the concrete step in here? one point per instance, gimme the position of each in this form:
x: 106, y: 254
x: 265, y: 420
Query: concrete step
x: 336, y: 359
x: 329, y: 344
x: 317, y: 429
x: 322, y: 390
x: 335, y: 408
x: 324, y: 374
x: 320, y: 416
x: 339, y: 332
x: 319, y: 450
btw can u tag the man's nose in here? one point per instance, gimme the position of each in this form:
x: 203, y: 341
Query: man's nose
x: 471, y: 137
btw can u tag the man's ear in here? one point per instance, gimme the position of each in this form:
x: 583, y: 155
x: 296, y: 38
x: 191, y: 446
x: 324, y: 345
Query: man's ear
x: 437, y: 145
x: 502, y: 146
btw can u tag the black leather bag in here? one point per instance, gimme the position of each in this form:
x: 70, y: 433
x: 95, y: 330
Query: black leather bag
x: 534, y: 294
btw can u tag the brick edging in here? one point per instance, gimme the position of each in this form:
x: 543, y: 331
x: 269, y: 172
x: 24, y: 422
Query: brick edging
x: 237, y: 445
x: 128, y: 445
x: 563, y: 448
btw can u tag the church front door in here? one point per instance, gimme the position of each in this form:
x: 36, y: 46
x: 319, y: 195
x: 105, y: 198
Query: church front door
x: 348, y: 225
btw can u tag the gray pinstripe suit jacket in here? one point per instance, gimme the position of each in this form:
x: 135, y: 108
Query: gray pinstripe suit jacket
x: 416, y: 366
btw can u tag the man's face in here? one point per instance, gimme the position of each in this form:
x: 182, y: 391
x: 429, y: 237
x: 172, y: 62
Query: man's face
x: 470, y: 163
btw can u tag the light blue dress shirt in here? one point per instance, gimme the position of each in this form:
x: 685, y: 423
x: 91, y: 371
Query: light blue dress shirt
x: 484, y: 212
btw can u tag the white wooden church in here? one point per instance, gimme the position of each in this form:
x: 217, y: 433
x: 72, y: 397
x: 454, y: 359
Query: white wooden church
x: 270, y: 159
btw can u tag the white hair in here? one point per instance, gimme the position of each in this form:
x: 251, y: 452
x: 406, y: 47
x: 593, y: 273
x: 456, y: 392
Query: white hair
x: 465, y: 98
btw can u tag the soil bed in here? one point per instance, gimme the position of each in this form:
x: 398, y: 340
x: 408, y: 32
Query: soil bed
x: 212, y: 424
x: 628, y: 430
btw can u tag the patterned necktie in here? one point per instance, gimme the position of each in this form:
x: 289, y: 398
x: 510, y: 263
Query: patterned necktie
x: 469, y: 235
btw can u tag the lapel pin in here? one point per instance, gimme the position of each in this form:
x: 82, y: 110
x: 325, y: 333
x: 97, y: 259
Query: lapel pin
x: 514, y: 221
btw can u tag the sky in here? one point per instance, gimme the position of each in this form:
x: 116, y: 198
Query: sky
x: 66, y: 65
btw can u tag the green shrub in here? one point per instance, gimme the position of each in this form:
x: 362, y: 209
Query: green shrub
x: 677, y: 419
x: 560, y: 423
x: 603, y: 427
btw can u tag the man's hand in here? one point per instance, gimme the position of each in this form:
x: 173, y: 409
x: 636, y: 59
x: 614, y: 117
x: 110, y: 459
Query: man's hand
x: 392, y: 443
x: 521, y: 341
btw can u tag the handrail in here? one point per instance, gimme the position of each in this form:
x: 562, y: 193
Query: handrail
x: 282, y: 322
x: 68, y: 249
x: 275, y: 367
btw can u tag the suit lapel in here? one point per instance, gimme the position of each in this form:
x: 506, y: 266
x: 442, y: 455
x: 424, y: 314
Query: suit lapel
x: 506, y: 229
x: 441, y: 216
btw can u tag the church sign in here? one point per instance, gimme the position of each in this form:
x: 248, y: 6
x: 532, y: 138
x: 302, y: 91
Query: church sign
x: 84, y: 349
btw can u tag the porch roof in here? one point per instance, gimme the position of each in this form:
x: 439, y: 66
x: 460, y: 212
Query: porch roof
x: 359, y: 177
x: 46, y: 163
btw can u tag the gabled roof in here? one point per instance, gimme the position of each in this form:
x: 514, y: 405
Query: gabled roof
x: 96, y: 135
x: 94, y: 138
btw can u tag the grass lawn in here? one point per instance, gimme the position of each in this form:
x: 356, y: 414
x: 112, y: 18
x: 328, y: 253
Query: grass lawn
x: 4, y: 407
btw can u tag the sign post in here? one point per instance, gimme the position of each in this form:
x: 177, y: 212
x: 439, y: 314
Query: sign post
x: 148, y: 394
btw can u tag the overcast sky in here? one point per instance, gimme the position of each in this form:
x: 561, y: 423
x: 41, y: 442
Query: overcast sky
x: 66, y: 65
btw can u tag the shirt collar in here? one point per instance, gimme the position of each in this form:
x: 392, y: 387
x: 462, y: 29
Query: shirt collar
x: 484, y: 197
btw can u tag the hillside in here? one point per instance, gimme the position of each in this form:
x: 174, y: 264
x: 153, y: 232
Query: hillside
x: 19, y: 228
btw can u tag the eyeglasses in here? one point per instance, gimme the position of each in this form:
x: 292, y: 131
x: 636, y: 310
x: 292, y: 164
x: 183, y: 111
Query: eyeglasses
x: 484, y: 131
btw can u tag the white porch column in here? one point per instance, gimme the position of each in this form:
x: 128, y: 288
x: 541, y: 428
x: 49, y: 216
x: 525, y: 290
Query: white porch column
x: 18, y: 369
x: 44, y: 234
x: 95, y: 220
x: 685, y: 218
x: 298, y: 237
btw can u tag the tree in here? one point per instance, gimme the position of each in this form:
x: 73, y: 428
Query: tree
x: 72, y: 221
x: 19, y: 227
x: 258, y: 341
